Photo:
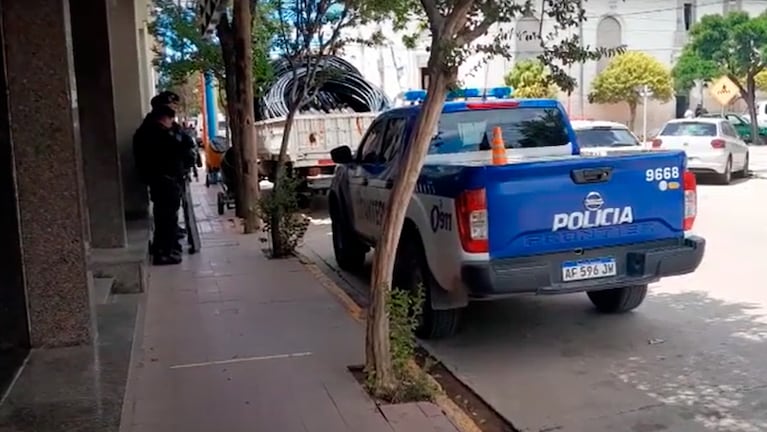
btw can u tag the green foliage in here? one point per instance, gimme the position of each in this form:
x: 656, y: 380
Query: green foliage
x: 404, y: 310
x: 181, y: 51
x: 282, y: 203
x: 690, y: 68
x: 761, y: 81
x: 735, y: 43
x: 530, y: 79
x: 625, y: 74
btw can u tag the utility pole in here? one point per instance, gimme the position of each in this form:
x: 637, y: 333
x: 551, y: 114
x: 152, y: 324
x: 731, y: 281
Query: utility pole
x: 243, y: 53
x: 645, y: 93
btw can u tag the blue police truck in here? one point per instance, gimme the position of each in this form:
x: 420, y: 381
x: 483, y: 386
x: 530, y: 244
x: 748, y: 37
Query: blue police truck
x: 548, y: 221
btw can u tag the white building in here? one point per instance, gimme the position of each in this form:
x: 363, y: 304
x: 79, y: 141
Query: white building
x: 657, y: 27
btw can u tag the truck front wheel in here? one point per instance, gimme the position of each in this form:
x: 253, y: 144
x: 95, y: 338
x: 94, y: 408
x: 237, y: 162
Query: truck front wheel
x: 618, y: 300
x: 412, y: 273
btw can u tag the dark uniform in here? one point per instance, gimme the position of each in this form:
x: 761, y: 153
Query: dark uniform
x: 162, y: 161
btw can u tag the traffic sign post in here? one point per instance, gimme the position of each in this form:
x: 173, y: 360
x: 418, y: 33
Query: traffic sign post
x: 724, y: 91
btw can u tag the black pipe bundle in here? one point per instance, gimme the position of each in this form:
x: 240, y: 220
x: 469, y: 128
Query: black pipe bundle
x: 343, y: 89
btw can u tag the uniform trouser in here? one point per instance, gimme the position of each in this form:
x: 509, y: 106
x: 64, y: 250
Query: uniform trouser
x: 166, y: 201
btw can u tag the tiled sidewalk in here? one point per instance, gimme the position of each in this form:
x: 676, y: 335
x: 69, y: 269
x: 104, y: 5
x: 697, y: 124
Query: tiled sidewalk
x: 234, y: 342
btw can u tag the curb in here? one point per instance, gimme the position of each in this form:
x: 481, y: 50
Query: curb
x: 454, y: 413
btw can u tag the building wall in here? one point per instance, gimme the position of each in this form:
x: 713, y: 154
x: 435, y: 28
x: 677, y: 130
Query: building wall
x: 656, y: 27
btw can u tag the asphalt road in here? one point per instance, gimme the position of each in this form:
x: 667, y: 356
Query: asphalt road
x: 693, y: 357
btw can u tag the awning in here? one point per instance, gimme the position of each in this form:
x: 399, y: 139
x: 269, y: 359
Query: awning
x: 208, y: 14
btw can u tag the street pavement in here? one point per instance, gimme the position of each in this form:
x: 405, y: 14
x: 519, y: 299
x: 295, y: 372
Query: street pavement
x: 693, y: 357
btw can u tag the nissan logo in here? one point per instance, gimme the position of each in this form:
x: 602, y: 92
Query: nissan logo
x: 593, y: 201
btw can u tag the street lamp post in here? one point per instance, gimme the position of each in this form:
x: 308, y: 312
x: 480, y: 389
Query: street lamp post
x: 645, y: 93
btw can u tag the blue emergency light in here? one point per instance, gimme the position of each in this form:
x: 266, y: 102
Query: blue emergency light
x: 414, y: 96
x: 471, y: 93
x: 500, y: 92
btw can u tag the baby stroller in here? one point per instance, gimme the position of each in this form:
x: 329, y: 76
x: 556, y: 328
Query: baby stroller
x: 225, y: 199
x: 214, y: 153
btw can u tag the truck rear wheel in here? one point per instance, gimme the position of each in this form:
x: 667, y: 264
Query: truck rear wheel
x: 618, y: 300
x: 347, y: 248
x: 413, y: 273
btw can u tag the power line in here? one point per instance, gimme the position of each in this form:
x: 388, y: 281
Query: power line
x: 666, y: 9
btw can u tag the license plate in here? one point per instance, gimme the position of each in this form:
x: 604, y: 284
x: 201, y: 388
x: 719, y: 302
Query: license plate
x: 593, y: 268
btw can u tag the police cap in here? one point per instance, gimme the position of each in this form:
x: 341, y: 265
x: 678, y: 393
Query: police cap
x: 165, y: 98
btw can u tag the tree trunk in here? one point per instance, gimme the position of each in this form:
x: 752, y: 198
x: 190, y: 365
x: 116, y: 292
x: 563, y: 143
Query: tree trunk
x: 226, y: 38
x: 751, y: 104
x: 377, y: 344
x: 244, y: 79
x: 633, y: 116
x: 277, y: 245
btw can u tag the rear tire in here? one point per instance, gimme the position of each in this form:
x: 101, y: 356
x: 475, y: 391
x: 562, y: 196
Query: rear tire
x: 744, y: 172
x: 726, y: 177
x: 618, y: 300
x: 348, y: 249
x: 413, y: 273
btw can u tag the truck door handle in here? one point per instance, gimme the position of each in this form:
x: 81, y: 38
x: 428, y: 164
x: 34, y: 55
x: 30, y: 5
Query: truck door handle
x: 591, y: 175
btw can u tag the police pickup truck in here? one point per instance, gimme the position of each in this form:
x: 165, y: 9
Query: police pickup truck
x: 547, y: 221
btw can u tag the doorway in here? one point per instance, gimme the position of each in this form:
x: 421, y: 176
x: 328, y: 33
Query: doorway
x: 14, y: 329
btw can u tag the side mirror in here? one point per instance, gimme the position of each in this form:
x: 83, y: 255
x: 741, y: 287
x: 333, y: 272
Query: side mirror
x: 342, y: 155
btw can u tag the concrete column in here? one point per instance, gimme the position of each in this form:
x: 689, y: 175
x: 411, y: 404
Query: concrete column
x: 14, y: 331
x: 129, y: 106
x: 101, y: 156
x: 46, y: 145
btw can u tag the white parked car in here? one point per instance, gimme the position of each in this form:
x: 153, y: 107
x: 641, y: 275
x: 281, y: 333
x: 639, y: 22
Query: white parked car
x: 601, y: 138
x: 712, y: 146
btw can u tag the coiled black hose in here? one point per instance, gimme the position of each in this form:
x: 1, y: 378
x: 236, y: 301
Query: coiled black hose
x: 344, y: 89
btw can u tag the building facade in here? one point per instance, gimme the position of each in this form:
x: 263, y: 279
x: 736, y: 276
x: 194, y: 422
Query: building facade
x: 657, y: 27
x: 75, y: 82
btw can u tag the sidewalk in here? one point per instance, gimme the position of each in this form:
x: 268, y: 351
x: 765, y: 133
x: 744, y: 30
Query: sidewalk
x: 234, y: 342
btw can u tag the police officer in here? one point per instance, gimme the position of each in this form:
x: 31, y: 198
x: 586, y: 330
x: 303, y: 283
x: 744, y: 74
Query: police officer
x: 190, y: 150
x: 162, y: 160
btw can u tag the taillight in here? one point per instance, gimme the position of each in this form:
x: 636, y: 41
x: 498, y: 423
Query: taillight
x: 690, y: 200
x: 657, y: 142
x: 471, y: 213
x: 717, y: 144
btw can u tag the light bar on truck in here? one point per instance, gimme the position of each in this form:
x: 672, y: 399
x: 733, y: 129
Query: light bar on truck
x: 418, y: 96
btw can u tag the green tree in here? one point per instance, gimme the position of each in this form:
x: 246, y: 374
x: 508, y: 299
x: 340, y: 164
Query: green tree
x: 530, y: 79
x: 690, y: 68
x: 761, y: 81
x: 625, y: 75
x: 737, y: 44
x: 455, y: 27
x: 182, y: 51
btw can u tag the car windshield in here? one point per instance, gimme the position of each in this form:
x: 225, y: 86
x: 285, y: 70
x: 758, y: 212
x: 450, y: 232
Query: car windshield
x: 605, y: 137
x: 468, y: 131
x: 689, y: 129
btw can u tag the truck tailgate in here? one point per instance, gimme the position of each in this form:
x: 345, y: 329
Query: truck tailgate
x: 558, y: 205
x: 312, y: 136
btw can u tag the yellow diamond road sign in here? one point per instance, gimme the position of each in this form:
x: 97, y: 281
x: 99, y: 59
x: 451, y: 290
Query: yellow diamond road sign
x: 724, y: 90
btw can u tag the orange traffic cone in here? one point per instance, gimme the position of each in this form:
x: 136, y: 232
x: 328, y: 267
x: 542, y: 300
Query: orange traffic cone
x: 498, y: 148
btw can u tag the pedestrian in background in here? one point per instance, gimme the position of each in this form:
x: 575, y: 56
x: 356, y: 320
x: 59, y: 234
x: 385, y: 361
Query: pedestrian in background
x: 161, y: 161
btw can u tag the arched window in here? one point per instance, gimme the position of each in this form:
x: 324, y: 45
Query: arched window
x: 609, y: 35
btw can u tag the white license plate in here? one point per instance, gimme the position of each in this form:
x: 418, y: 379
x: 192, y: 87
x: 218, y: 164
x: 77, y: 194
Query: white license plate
x: 588, y: 269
